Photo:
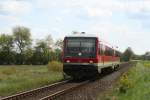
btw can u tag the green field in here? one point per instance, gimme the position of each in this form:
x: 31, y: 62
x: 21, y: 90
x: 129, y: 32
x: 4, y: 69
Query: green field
x: 133, y: 85
x: 14, y: 79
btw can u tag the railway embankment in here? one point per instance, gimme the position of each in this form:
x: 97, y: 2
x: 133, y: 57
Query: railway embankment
x: 92, y: 90
x: 133, y: 85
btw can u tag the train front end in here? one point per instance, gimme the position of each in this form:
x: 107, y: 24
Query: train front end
x: 80, y: 56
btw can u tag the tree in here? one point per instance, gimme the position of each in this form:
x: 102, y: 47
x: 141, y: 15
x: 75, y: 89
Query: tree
x: 6, y: 49
x: 147, y: 55
x: 28, y: 56
x: 42, y: 52
x: 59, y: 49
x: 59, y: 44
x: 22, y: 40
x: 128, y: 54
x: 49, y: 42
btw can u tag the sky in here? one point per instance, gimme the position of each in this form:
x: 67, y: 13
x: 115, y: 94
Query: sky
x: 123, y: 23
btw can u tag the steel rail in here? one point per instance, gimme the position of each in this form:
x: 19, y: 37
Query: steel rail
x: 64, y: 91
x: 33, y: 92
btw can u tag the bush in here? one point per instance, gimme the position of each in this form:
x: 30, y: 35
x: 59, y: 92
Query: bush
x: 125, y: 83
x: 55, y: 66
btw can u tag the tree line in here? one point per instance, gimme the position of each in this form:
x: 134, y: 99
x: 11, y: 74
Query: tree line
x: 18, y: 48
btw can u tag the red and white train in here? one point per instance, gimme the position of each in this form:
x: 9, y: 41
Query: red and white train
x: 87, y: 55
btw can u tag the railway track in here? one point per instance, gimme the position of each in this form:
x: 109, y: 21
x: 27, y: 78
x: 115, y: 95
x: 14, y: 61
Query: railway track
x: 67, y: 90
x: 92, y: 90
x: 24, y: 95
x: 55, y: 90
x: 48, y: 92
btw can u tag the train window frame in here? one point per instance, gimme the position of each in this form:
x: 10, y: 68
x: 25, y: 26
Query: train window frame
x: 101, y: 49
x: 117, y: 54
x: 84, y: 54
x: 109, y: 51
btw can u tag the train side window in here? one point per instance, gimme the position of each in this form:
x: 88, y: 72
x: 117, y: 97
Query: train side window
x: 101, y: 51
x: 109, y: 51
x: 112, y: 52
x: 117, y: 54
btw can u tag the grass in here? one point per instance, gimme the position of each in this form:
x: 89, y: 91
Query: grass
x: 133, y: 85
x: 18, y: 78
x: 55, y: 66
x: 146, y: 63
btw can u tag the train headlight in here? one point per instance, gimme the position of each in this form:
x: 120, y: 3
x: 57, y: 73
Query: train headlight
x: 91, y: 61
x: 68, y: 61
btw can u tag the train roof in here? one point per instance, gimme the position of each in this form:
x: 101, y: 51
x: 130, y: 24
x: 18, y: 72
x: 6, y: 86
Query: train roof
x: 82, y: 34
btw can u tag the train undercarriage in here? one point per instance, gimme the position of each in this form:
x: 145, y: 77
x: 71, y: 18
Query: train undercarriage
x: 81, y: 71
x: 86, y: 71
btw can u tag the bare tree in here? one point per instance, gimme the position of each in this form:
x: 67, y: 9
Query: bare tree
x: 22, y: 39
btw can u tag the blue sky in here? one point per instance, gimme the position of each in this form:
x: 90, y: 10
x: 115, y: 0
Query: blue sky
x: 120, y: 22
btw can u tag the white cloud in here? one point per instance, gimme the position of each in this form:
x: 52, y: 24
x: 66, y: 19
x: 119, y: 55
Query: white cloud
x: 108, y: 7
x: 8, y: 18
x: 97, y: 12
x: 122, y: 35
x: 114, y: 20
x: 11, y: 12
x: 59, y: 19
x: 14, y: 7
x: 98, y: 7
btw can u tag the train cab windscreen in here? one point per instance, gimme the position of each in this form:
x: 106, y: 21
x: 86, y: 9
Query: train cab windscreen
x: 80, y: 47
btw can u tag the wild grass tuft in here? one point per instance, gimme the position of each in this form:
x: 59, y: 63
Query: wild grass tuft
x: 25, y: 78
x: 146, y: 64
x: 9, y: 71
x: 125, y: 83
x: 55, y: 66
